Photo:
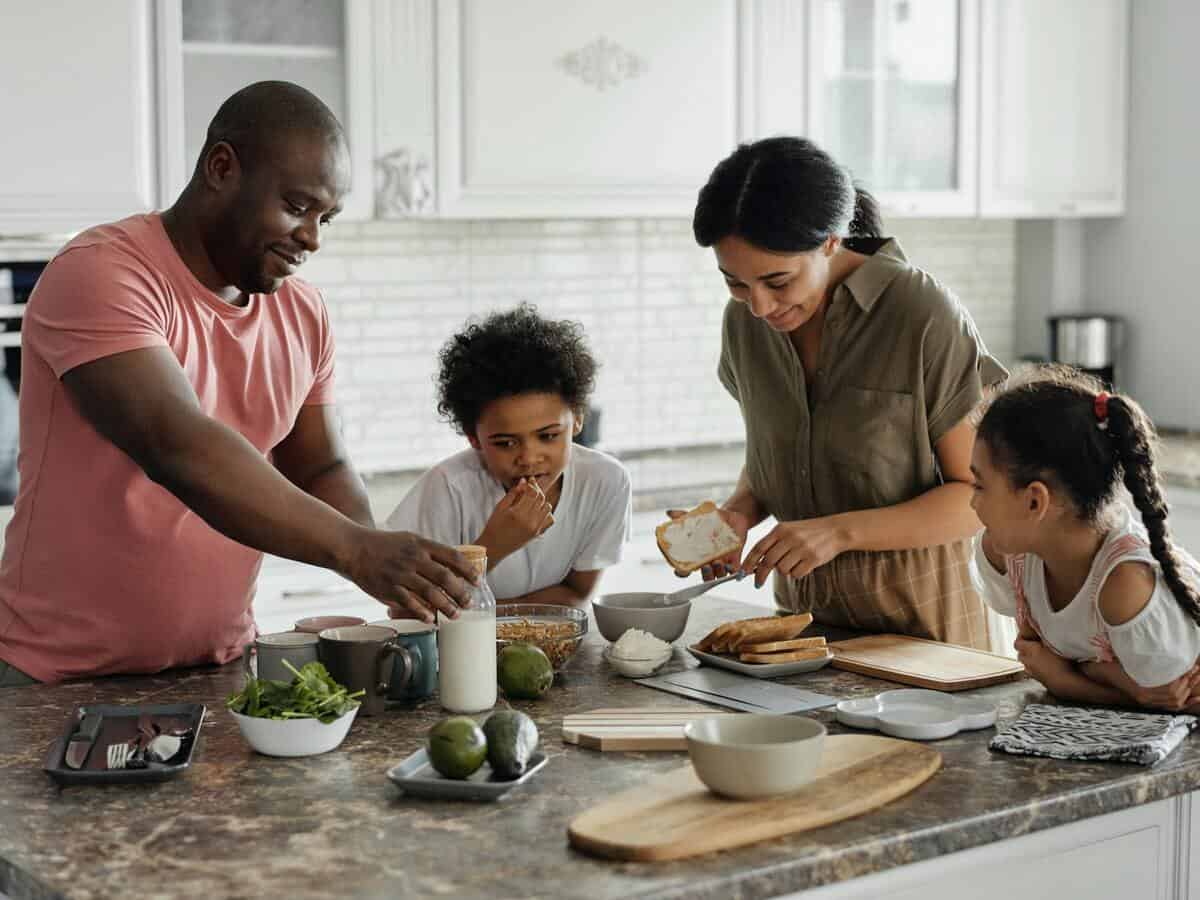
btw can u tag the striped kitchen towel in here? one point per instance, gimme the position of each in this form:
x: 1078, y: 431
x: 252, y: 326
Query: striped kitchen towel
x: 1072, y: 732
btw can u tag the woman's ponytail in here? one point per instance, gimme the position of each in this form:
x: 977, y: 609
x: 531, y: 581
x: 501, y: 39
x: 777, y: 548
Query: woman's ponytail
x: 1132, y: 437
x: 867, y: 221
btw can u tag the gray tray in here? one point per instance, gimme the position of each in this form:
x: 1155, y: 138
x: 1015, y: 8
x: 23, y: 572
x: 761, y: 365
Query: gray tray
x: 760, y: 670
x: 120, y: 723
x: 415, y: 775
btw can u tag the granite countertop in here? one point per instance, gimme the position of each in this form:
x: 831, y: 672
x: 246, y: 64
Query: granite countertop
x: 239, y: 824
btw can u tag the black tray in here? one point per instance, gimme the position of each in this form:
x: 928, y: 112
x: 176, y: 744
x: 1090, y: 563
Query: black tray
x: 119, y: 723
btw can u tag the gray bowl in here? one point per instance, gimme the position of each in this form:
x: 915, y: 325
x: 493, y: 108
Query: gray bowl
x: 663, y: 618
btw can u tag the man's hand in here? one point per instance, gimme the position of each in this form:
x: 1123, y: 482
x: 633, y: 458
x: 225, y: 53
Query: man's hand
x: 794, y: 549
x: 413, y: 577
x: 731, y: 562
x: 521, y: 515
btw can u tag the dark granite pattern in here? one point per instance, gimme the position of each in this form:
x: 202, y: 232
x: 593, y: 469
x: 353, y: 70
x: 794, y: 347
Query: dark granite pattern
x: 243, y: 825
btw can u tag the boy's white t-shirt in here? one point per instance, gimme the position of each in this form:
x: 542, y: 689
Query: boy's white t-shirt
x: 452, y: 502
x: 1155, y: 647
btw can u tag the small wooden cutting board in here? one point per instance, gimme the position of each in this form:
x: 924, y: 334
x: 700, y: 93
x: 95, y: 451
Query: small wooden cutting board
x: 632, y: 729
x: 923, y: 663
x: 675, y: 815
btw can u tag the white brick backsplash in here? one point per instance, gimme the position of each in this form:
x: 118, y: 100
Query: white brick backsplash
x: 650, y: 300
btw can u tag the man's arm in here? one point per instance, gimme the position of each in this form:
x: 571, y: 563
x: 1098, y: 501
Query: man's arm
x: 313, y: 457
x: 142, y: 402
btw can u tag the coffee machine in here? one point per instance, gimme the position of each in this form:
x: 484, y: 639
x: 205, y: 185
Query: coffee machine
x: 1090, y: 343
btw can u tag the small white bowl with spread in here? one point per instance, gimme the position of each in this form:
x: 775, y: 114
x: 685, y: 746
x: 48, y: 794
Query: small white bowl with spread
x: 637, y: 653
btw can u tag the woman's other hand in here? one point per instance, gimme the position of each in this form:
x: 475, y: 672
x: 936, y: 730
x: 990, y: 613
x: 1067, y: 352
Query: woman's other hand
x: 730, y: 563
x: 795, y: 549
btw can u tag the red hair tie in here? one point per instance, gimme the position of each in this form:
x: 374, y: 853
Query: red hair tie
x: 1101, y: 407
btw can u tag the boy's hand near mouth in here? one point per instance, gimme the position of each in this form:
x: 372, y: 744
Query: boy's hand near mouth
x: 521, y: 515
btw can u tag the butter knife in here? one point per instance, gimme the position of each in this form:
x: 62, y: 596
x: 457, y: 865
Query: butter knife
x: 80, y: 743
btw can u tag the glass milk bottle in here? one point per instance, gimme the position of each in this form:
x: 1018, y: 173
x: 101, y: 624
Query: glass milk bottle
x: 467, y: 646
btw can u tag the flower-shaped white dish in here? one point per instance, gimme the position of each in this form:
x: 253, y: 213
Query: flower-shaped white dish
x: 631, y: 667
x: 916, y: 714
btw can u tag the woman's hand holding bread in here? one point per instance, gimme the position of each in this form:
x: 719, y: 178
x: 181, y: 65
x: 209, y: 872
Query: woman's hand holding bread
x: 521, y: 515
x: 706, y: 538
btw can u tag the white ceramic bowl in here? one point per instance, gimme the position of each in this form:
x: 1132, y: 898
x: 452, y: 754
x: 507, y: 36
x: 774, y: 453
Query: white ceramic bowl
x: 617, y: 613
x: 294, y: 737
x: 633, y: 667
x: 751, y: 756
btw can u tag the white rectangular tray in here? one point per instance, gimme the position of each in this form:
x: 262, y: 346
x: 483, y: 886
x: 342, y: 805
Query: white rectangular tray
x: 760, y: 670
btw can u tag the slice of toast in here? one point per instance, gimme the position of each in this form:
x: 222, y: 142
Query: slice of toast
x: 784, y: 646
x: 716, y: 638
x: 779, y: 628
x: 697, y: 538
x: 788, y: 656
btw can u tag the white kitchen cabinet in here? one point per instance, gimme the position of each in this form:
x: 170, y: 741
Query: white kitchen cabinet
x: 892, y: 95
x: 1054, y: 82
x: 1131, y: 853
x: 209, y: 49
x: 78, y: 87
x: 545, y: 109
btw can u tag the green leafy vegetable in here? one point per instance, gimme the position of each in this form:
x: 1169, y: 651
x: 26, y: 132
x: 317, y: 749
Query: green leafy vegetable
x: 312, y: 694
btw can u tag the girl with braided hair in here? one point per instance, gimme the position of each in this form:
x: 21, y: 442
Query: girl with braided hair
x: 1107, y: 608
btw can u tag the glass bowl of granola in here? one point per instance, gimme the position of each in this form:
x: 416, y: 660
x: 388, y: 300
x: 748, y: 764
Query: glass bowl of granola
x: 557, y: 630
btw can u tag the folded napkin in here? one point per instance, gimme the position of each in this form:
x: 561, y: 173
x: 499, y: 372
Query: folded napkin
x: 1072, y: 732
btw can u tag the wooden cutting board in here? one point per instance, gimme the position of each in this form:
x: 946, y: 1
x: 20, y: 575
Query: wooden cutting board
x: 631, y: 729
x: 675, y: 816
x: 923, y: 663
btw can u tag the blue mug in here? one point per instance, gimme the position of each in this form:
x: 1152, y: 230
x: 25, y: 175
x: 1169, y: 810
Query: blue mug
x: 420, y: 639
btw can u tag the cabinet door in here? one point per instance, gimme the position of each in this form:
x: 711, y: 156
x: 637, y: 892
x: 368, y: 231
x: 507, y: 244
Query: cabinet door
x: 546, y: 108
x: 78, y: 146
x: 892, y: 94
x: 212, y: 48
x: 1054, y: 107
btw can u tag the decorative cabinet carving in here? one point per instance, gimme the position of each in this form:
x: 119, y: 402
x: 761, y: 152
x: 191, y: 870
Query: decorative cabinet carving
x: 541, y: 109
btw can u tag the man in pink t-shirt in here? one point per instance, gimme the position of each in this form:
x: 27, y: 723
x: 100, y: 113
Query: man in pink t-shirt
x: 177, y: 419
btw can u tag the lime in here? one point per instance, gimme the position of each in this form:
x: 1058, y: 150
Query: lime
x: 524, y: 671
x: 457, y: 747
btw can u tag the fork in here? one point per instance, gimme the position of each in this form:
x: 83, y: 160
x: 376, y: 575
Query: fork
x: 118, y: 754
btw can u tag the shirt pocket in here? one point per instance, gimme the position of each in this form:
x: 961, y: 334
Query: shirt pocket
x: 871, y: 442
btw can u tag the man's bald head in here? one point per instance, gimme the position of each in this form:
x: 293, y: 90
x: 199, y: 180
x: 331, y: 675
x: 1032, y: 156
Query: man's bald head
x: 270, y: 179
x: 262, y: 116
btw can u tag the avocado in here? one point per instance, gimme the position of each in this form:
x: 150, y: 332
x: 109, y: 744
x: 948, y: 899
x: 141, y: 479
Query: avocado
x: 511, y: 739
x: 457, y: 747
x: 524, y: 671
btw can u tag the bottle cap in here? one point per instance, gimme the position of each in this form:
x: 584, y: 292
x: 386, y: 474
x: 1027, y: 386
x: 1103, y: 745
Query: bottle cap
x: 474, y: 554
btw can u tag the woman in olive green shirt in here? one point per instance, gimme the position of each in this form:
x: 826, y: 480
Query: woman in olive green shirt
x: 855, y: 373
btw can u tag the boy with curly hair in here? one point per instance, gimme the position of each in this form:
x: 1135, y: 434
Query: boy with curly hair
x: 552, y: 514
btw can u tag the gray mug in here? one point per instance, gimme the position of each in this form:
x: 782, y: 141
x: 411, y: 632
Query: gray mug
x: 271, y: 650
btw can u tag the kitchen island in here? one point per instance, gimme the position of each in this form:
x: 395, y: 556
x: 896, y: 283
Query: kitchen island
x: 238, y: 824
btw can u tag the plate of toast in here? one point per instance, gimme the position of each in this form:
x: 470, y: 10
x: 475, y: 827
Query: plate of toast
x: 764, y: 647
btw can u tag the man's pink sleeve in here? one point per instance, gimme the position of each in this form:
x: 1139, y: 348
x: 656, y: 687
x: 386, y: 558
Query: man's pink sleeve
x: 90, y: 303
x: 321, y: 392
